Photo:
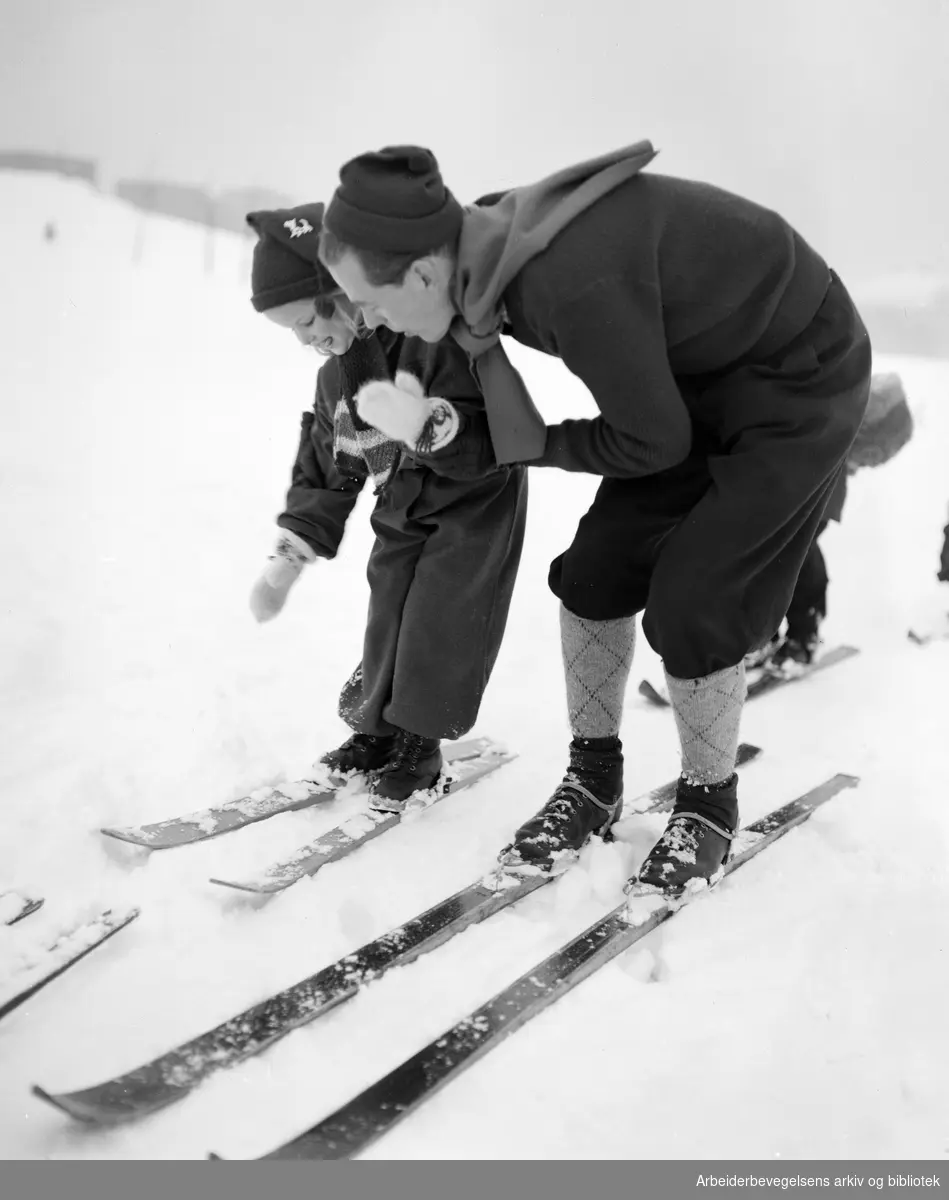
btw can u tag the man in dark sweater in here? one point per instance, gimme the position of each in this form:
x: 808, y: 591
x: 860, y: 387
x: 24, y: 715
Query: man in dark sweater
x: 731, y: 372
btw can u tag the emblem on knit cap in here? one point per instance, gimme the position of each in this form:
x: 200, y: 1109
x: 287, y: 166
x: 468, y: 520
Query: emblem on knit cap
x: 298, y: 226
x: 420, y: 162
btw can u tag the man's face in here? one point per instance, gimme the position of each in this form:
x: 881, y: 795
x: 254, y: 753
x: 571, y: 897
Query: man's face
x: 420, y: 305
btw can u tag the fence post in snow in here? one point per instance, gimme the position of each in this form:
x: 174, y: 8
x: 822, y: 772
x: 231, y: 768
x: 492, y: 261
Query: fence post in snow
x: 209, y: 235
x: 138, y: 243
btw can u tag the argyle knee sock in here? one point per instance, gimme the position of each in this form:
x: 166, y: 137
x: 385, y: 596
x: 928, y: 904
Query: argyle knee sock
x: 708, y: 714
x: 597, y: 656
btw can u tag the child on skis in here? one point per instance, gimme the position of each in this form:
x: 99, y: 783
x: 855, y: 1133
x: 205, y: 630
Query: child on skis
x: 449, y: 528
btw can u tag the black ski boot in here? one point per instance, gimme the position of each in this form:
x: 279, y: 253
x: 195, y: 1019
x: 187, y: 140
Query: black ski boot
x: 588, y: 801
x: 800, y: 643
x: 361, y: 752
x: 414, y: 766
x: 795, y: 652
x: 761, y: 657
x: 697, y: 840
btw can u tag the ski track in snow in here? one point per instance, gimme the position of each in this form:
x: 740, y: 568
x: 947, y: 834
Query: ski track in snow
x: 149, y: 425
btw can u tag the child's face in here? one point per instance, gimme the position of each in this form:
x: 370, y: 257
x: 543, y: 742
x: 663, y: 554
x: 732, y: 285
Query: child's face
x: 325, y: 334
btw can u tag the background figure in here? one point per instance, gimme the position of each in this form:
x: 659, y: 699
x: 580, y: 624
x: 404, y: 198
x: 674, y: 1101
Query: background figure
x: 943, y: 573
x: 885, y: 430
x: 808, y: 606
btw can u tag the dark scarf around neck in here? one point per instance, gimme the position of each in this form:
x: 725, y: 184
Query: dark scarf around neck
x: 496, y: 244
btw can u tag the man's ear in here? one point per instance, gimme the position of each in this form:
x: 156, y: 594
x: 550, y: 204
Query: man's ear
x: 432, y: 271
x: 424, y: 272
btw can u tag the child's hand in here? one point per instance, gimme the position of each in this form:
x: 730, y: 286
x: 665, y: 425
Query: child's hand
x: 399, y: 410
x: 403, y: 412
x: 269, y: 593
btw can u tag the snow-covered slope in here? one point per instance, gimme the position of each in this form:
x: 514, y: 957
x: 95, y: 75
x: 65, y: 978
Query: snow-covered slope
x: 148, y: 420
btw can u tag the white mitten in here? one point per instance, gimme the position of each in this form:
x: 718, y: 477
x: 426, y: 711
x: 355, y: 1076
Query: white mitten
x: 269, y: 593
x: 403, y: 412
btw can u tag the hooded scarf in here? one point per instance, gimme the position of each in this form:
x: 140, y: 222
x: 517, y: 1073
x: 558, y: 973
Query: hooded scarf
x: 496, y: 244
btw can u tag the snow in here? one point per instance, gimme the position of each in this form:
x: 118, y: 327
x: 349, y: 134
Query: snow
x: 11, y: 905
x: 19, y: 972
x: 909, y: 289
x: 148, y: 422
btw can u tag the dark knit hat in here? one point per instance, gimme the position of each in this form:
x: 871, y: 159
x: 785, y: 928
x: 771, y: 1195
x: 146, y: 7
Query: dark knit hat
x: 285, y: 264
x: 394, y: 201
x: 887, y: 424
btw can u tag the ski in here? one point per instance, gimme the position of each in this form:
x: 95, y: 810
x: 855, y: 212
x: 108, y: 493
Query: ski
x: 172, y: 1076
x: 259, y: 805
x: 14, y: 907
x: 924, y: 639
x: 358, y: 1124
x: 78, y: 941
x: 366, y: 825
x: 763, y: 680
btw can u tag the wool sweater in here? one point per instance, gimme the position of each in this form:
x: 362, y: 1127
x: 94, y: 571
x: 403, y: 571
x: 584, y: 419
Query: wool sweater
x: 659, y: 284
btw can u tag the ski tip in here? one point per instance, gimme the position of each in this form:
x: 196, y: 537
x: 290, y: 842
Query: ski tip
x: 830, y: 787
x: 648, y: 692
x: 252, y: 889
x: 121, y: 916
x: 125, y: 835
x: 112, y: 920
x: 927, y: 639
x: 61, y: 1104
x: 30, y: 906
